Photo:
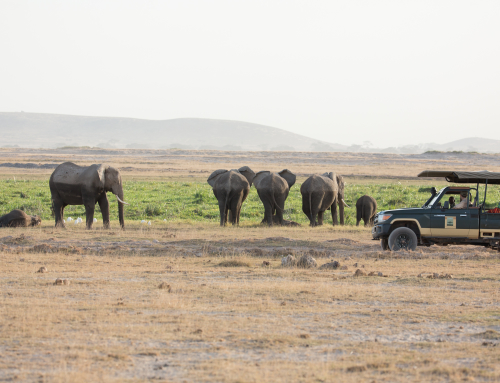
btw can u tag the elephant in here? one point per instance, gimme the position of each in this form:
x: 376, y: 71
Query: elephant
x: 366, y: 209
x: 231, y: 188
x: 273, y: 189
x: 71, y: 184
x: 320, y: 193
x: 18, y: 218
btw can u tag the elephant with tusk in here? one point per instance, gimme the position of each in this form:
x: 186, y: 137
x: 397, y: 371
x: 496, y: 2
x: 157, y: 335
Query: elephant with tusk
x: 323, y: 192
x: 71, y: 184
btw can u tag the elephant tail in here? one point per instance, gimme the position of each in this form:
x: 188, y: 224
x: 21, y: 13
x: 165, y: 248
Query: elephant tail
x: 274, y: 202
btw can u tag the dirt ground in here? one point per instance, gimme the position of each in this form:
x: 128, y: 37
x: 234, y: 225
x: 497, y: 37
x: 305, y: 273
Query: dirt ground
x: 196, y: 302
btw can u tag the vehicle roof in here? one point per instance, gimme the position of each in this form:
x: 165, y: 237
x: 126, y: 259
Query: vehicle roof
x: 464, y: 177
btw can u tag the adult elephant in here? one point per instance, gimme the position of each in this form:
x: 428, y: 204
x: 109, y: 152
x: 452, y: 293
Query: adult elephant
x: 320, y: 193
x: 18, y: 218
x: 71, y: 184
x: 366, y: 209
x: 231, y: 188
x: 273, y: 189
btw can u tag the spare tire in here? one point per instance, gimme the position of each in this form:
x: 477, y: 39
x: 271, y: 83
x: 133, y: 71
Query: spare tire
x: 403, y: 238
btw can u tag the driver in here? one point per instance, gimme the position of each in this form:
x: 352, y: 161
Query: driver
x: 463, y: 201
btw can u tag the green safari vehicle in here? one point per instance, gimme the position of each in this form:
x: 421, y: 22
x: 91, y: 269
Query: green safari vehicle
x: 452, y: 215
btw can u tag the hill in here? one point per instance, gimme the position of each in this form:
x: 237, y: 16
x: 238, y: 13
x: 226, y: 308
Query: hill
x: 54, y: 130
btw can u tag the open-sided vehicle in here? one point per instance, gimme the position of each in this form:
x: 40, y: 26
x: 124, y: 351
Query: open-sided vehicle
x: 439, y: 221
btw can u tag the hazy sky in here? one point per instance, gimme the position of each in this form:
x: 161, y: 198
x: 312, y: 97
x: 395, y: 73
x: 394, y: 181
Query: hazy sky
x: 388, y: 72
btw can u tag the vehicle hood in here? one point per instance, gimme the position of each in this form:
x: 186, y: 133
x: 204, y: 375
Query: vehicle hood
x: 404, y: 210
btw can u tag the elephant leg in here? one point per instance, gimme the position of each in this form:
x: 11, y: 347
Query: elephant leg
x: 334, y: 213
x: 268, y: 211
x: 58, y: 207
x: 235, y: 207
x: 104, y: 206
x: 320, y: 218
x: 89, y: 213
x: 223, y: 212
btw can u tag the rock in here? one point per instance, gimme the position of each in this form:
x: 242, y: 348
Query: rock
x: 288, y: 261
x: 344, y: 268
x: 165, y: 286
x: 435, y: 275
x: 42, y: 269
x: 356, y: 264
x: 265, y: 263
x: 371, y: 273
x: 60, y: 281
x: 330, y: 266
x: 307, y: 262
x: 379, y: 274
x: 304, y: 336
x: 359, y: 273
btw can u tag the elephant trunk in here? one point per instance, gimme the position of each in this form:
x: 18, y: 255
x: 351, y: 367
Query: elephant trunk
x: 118, y: 192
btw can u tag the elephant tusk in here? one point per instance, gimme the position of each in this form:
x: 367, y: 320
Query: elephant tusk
x: 345, y: 203
x: 123, y: 202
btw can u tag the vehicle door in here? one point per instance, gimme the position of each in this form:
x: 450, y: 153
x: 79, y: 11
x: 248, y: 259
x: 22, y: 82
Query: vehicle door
x: 453, y: 223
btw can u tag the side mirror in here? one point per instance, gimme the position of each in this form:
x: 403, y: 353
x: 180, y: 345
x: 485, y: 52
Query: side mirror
x: 446, y: 204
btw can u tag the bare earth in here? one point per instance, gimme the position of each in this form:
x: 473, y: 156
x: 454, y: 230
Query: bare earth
x: 221, y: 314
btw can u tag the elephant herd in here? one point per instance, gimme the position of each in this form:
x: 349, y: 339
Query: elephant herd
x: 71, y: 184
x: 319, y: 193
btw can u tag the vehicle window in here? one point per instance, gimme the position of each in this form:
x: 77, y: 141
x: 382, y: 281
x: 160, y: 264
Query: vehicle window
x: 454, y: 198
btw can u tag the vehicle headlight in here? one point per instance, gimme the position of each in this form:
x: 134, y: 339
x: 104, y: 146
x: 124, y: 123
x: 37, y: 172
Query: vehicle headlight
x: 384, y: 217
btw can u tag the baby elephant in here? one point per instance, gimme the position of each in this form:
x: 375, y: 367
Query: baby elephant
x: 366, y: 208
x: 18, y: 218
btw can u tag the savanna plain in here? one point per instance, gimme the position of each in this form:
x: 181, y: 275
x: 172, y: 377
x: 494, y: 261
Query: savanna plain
x: 183, y: 299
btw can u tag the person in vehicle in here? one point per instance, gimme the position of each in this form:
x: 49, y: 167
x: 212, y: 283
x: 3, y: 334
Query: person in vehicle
x: 452, y: 202
x: 463, y: 201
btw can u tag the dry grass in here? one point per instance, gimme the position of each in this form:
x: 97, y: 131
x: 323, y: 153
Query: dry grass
x: 244, y: 323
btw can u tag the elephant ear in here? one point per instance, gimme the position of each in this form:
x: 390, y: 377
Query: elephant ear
x: 259, y: 177
x: 101, y: 173
x: 247, y: 173
x: 330, y: 175
x: 289, y: 177
x: 213, y: 177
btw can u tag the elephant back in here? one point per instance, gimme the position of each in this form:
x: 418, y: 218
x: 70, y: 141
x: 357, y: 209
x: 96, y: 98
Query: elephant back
x: 266, y: 180
x: 66, y: 173
x: 212, y: 179
x: 317, y: 183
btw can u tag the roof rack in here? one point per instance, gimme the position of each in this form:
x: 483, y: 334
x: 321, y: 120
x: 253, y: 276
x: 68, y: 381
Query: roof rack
x: 464, y: 177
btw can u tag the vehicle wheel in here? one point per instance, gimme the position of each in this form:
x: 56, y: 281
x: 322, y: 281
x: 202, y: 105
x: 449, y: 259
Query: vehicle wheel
x: 403, y: 238
x: 384, y: 244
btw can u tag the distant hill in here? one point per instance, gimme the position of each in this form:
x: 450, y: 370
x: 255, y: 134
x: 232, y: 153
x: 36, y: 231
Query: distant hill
x: 54, y: 130
x: 471, y: 144
x: 40, y: 130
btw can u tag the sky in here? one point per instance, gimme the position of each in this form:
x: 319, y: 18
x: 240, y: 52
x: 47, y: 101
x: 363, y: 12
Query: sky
x: 381, y: 73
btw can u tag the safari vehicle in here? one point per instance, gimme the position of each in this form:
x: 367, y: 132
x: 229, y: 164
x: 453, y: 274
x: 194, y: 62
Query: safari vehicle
x: 439, y: 222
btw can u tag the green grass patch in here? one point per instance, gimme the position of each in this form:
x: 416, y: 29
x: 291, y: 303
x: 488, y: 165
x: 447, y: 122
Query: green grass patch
x: 195, y: 202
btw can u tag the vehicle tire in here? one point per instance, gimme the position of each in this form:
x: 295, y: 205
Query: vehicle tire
x: 384, y: 244
x: 403, y: 238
